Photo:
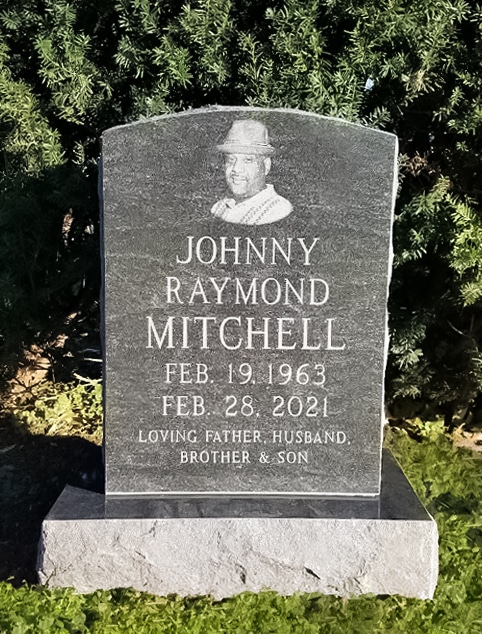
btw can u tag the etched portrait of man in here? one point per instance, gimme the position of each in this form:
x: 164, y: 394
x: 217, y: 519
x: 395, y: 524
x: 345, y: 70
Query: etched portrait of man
x: 247, y: 163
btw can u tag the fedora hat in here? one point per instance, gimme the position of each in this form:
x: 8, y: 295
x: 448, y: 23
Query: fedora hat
x: 247, y: 136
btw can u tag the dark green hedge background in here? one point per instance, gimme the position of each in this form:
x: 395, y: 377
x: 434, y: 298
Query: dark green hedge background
x: 69, y: 70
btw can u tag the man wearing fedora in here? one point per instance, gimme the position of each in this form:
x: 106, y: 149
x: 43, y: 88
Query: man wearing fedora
x: 247, y: 163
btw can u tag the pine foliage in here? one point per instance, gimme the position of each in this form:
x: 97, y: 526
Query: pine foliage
x: 71, y: 68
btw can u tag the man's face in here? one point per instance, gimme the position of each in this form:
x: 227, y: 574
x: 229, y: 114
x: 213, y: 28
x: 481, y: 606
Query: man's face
x: 246, y: 174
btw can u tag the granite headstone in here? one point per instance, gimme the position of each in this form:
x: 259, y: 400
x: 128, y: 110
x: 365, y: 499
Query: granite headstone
x: 247, y: 257
x: 245, y: 328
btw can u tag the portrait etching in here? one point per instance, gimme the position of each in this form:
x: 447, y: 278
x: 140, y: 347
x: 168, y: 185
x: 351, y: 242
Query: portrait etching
x: 250, y: 200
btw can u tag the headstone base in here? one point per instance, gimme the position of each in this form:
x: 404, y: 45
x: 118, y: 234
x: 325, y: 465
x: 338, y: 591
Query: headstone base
x: 382, y: 546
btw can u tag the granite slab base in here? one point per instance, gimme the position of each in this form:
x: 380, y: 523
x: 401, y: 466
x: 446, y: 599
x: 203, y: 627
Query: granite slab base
x: 387, y: 545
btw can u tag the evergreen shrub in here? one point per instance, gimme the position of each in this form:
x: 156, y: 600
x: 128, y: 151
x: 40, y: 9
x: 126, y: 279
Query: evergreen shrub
x: 71, y: 68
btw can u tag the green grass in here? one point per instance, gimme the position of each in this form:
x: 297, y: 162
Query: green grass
x: 448, y: 481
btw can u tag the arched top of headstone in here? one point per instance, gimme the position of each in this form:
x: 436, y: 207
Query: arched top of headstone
x: 321, y: 161
x: 251, y: 112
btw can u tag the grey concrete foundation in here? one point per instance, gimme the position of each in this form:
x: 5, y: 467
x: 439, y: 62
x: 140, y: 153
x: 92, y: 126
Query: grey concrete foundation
x: 382, y: 546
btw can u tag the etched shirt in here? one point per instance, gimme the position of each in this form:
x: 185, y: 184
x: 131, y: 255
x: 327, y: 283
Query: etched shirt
x: 263, y: 208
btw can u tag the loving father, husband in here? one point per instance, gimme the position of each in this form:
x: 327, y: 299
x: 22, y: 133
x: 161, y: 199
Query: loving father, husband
x: 247, y: 163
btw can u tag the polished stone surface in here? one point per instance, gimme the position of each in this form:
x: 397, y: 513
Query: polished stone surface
x: 85, y: 544
x: 397, y: 501
x: 245, y: 359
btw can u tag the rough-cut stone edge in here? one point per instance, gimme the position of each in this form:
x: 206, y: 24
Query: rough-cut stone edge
x: 225, y: 556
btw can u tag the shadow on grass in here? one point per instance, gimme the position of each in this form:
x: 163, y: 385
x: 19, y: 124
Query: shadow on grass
x: 33, y: 471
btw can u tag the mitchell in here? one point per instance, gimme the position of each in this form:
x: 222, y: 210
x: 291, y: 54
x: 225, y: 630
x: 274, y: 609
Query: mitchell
x: 236, y: 250
x: 248, y: 333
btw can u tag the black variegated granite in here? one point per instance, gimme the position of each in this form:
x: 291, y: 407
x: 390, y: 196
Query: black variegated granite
x: 160, y: 179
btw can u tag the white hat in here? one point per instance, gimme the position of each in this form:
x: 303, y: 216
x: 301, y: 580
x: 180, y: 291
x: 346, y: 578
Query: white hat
x: 247, y: 136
